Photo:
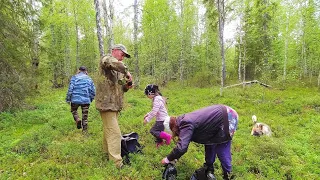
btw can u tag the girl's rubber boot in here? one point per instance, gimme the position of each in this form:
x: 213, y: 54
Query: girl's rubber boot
x: 159, y: 144
x: 165, y: 136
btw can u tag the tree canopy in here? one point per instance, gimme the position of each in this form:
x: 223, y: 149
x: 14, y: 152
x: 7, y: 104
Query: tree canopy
x: 45, y: 41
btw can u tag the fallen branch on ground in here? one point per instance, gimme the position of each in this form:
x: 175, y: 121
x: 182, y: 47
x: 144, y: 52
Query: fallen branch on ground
x: 249, y: 83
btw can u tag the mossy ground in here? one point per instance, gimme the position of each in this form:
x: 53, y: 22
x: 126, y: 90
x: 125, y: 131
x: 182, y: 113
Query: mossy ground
x: 42, y: 142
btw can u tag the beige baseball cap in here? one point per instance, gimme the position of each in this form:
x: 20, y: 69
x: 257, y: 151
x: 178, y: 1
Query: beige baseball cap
x: 122, y: 48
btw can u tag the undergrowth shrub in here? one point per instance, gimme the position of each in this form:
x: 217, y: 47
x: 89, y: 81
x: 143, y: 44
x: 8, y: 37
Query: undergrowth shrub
x: 35, y: 142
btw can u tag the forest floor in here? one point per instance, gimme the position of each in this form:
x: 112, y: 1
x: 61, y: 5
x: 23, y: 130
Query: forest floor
x: 42, y: 141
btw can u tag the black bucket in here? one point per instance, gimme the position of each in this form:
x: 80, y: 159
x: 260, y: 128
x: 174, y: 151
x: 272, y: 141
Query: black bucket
x: 170, y: 172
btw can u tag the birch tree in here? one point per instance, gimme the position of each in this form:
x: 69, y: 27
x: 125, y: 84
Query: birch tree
x: 75, y: 14
x: 99, y: 29
x: 135, y: 42
x: 108, y: 22
x: 220, y: 5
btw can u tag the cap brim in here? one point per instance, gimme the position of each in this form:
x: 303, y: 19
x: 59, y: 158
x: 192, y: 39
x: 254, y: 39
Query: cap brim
x: 127, y: 55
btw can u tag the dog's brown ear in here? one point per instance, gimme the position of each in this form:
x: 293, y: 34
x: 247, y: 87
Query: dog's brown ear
x: 260, y: 126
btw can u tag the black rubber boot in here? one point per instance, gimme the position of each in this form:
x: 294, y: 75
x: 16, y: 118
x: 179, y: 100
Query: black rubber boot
x: 78, y: 122
x: 209, y: 172
x: 227, y: 176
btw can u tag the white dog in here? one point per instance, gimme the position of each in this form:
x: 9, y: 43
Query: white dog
x: 259, y: 129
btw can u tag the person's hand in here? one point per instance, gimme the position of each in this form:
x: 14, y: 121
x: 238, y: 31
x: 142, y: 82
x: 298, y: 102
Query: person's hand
x: 68, y: 102
x: 129, y: 77
x: 165, y: 161
x: 145, y: 121
x: 129, y: 87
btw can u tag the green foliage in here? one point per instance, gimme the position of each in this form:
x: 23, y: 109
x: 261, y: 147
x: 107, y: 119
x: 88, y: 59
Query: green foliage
x: 15, y: 56
x: 68, y: 39
x: 259, y: 32
x: 43, y: 143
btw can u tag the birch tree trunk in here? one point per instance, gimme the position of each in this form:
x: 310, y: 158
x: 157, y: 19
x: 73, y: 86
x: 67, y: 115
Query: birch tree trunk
x: 77, y: 35
x: 240, y: 49
x: 106, y: 22
x: 265, y: 36
x: 99, y: 29
x: 221, y: 30
x: 240, y: 61
x: 244, y: 61
x: 67, y: 55
x: 181, y: 62
x: 111, y: 15
x: 244, y: 64
x: 135, y: 34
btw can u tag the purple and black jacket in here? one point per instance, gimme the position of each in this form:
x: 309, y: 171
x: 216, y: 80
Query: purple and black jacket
x: 208, y: 125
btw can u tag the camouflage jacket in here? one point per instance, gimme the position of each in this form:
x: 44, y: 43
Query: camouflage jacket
x: 109, y: 92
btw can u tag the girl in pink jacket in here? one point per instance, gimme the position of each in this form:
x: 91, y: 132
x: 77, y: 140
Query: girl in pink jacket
x: 159, y: 111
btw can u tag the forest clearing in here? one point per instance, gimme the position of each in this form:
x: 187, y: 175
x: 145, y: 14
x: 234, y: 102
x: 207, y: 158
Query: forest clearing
x: 259, y: 57
x: 44, y: 143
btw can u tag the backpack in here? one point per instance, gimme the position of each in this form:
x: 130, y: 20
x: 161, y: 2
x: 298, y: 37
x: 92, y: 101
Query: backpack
x: 130, y: 144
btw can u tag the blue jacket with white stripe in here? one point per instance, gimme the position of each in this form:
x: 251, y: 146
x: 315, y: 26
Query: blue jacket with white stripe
x: 81, y: 89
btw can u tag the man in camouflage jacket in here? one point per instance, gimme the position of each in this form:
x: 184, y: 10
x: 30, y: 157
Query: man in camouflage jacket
x: 109, y: 99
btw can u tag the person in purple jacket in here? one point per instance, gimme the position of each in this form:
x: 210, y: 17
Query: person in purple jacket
x: 213, y: 126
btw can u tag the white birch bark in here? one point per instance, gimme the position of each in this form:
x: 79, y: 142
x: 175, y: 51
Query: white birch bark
x: 240, y: 49
x: 135, y: 34
x: 181, y: 62
x: 99, y: 29
x: 244, y: 61
x: 111, y: 18
x: 221, y: 41
x: 106, y: 22
x: 77, y: 36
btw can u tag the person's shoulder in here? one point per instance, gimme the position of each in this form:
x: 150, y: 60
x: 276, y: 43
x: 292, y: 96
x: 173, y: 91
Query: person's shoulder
x: 158, y: 98
x: 74, y: 77
x: 108, y: 57
x: 83, y: 76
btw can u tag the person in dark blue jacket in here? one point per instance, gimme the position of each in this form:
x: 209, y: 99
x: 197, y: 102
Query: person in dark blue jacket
x: 81, y: 92
x: 213, y: 126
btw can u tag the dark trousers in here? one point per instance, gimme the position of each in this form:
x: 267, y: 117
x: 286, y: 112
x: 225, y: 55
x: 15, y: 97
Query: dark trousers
x: 156, y: 130
x: 85, y: 110
x: 223, y: 151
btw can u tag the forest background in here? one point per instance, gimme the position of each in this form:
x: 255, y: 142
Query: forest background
x: 44, y: 42
x: 174, y: 43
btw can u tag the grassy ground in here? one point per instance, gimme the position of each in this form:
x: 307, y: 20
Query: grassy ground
x: 43, y: 142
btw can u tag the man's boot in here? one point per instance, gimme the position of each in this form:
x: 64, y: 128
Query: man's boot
x: 78, y: 123
x: 85, y: 130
